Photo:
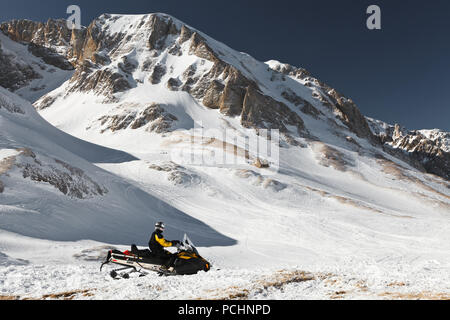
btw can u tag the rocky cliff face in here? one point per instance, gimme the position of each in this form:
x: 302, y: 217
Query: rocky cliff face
x: 14, y: 74
x: 53, y: 33
x: 426, y: 149
x: 33, y: 58
x: 49, y: 41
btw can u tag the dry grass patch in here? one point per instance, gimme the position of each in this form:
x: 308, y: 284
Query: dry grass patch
x: 426, y: 295
x: 196, y: 141
x: 361, y: 285
x: 436, y: 179
x: 9, y: 298
x: 392, y: 168
x: 69, y: 295
x: 329, y: 156
x: 352, y: 202
x: 338, y: 295
x: 396, y: 284
x: 6, y: 164
x: 277, y: 281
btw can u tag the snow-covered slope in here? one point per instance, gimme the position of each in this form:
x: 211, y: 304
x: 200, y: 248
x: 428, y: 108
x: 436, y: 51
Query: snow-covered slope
x: 49, y: 190
x: 329, y: 199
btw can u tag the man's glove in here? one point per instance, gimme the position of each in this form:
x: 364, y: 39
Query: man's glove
x: 176, y: 242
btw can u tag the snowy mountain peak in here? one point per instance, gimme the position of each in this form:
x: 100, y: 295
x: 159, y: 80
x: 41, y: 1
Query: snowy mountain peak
x: 120, y: 54
x: 154, y: 73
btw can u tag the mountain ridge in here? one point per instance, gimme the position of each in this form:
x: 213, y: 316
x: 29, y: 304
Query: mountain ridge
x: 223, y: 79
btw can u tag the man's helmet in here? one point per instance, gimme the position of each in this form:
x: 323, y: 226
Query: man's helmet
x: 160, y: 226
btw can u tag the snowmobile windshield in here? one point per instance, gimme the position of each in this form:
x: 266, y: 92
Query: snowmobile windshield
x: 189, y: 245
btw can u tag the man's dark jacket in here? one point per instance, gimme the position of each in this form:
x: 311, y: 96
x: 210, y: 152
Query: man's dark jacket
x: 157, y: 243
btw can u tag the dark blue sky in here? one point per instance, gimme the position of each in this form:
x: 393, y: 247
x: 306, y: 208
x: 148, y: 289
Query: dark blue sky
x: 399, y: 74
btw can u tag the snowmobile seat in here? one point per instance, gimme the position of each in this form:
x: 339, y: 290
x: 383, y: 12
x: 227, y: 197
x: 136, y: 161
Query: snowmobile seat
x: 141, y: 253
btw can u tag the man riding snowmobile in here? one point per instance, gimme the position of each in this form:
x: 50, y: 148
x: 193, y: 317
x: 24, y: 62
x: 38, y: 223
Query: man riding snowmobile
x: 186, y: 261
x: 157, y: 243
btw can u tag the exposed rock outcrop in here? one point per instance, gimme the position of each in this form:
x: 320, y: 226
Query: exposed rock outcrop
x: 49, y: 56
x: 10, y: 106
x: 158, y: 72
x: 161, y: 28
x: 427, y: 150
x: 49, y: 41
x: 260, y: 111
x: 154, y: 116
x: 258, y: 180
x: 289, y: 70
x: 52, y: 34
x: 69, y: 180
x: 430, y: 153
x: 178, y: 175
x: 14, y: 74
x: 105, y: 82
x: 350, y: 115
x: 304, y: 105
x: 213, y: 95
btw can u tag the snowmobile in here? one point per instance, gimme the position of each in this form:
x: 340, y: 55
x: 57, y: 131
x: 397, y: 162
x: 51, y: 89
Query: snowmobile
x: 188, y: 261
